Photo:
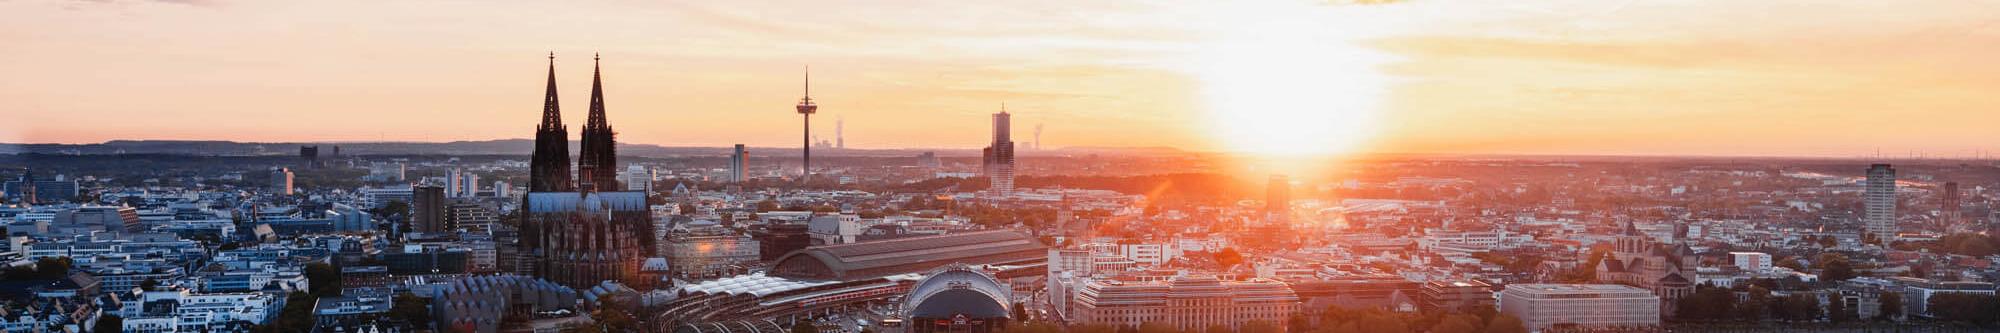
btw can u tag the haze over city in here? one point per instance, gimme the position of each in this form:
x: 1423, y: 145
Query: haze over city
x: 1809, y: 78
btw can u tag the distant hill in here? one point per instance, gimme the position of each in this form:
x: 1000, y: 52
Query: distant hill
x: 487, y: 147
x: 1122, y: 150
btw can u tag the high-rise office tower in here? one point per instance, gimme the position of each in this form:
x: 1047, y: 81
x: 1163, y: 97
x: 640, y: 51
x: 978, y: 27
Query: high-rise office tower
x: 597, y: 164
x: 840, y: 133
x: 311, y: 156
x: 1879, y: 200
x: 427, y: 209
x: 929, y: 160
x: 454, y: 183
x: 468, y: 185
x: 807, y: 108
x: 1950, y: 203
x: 739, y: 164
x: 386, y: 172
x: 281, y: 181
x: 999, y: 156
x: 470, y: 217
x: 548, y: 168
x: 638, y: 178
x: 1278, y: 198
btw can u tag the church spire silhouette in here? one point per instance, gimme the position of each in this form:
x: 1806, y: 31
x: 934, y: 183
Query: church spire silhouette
x: 549, y: 164
x: 597, y: 164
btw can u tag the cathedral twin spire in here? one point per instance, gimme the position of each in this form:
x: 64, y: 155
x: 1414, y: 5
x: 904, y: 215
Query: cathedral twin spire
x: 596, y: 164
x: 551, y: 109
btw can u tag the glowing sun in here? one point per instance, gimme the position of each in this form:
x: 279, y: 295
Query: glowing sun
x: 1288, y: 79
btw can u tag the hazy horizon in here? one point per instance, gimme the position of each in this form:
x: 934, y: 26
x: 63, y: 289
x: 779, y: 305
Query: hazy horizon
x: 1884, y: 156
x: 1601, y: 78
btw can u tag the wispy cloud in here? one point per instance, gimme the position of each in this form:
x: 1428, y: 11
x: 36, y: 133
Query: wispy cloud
x: 198, y: 3
x: 1544, y: 76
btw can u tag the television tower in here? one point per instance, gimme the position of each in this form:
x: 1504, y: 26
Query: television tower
x: 807, y: 108
x: 839, y: 127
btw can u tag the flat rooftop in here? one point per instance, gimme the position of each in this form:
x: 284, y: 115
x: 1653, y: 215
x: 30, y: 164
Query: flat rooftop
x: 1537, y: 288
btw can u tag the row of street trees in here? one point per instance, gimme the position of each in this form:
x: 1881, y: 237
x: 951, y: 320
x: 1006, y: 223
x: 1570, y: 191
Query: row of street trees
x: 1710, y: 304
x: 1333, y: 320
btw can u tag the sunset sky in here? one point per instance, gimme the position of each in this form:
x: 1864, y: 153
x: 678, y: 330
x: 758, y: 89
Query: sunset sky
x: 1792, y: 78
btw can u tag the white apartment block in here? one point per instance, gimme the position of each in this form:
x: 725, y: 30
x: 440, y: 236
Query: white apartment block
x: 1186, y: 302
x: 1751, y: 261
x: 1580, y: 306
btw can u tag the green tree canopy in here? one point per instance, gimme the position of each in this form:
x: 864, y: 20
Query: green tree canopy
x: 411, y: 309
x: 1976, y: 309
x: 1093, y: 328
x: 295, y: 317
x: 48, y: 268
x: 1260, y: 326
x: 1228, y: 257
x: 1890, y: 305
x: 1834, y: 267
x: 1504, y: 323
x: 1457, y: 324
x: 108, y: 323
x: 1157, y: 327
x: 323, y: 279
x: 1837, y: 310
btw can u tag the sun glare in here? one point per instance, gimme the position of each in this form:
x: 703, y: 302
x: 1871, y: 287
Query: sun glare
x: 1290, y: 80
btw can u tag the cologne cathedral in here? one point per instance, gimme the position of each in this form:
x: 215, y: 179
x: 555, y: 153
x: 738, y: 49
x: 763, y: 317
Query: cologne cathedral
x: 575, y: 234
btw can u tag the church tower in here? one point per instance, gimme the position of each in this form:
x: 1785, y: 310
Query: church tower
x: 581, y: 231
x: 28, y: 195
x: 548, y: 168
x: 597, y: 166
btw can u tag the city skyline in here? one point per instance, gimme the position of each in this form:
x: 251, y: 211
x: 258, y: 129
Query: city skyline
x: 1563, y: 78
x: 1260, y: 166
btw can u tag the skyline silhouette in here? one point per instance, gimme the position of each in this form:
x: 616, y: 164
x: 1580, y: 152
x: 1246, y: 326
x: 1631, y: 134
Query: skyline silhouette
x: 1276, y: 78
